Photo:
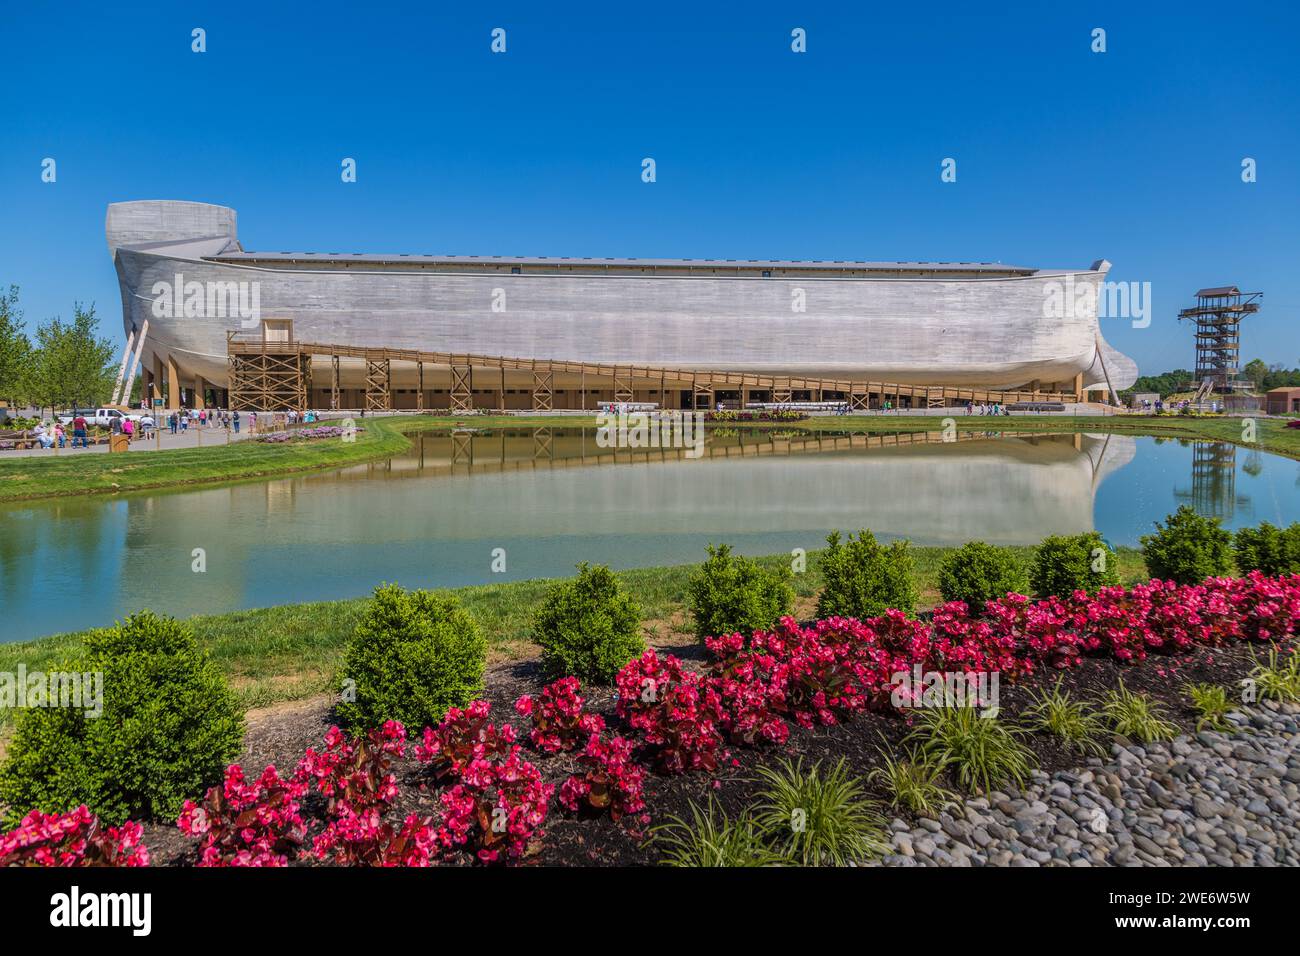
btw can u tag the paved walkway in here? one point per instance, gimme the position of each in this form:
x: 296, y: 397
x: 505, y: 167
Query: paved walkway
x: 190, y: 439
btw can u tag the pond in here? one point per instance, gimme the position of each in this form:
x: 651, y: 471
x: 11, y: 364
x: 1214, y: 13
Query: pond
x: 551, y: 497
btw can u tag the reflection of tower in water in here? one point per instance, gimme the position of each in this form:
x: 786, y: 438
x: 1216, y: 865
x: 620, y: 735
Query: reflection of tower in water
x: 1214, y: 481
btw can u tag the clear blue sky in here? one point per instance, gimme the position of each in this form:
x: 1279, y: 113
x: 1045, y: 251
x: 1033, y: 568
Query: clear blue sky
x: 1064, y: 156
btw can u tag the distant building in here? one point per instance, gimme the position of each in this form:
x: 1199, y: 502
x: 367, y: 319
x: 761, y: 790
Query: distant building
x: 1283, y: 401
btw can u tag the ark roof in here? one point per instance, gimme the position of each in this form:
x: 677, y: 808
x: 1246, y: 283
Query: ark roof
x: 995, y: 268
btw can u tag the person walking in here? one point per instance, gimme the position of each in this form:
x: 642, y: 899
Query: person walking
x: 235, y: 418
x: 128, y: 429
x: 79, y: 431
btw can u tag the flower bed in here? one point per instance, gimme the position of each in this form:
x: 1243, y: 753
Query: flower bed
x: 670, y: 730
x: 772, y: 415
x: 72, y: 839
x: 309, y: 434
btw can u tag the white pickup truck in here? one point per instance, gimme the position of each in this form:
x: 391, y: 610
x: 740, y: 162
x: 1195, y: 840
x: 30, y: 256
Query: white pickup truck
x: 103, y: 417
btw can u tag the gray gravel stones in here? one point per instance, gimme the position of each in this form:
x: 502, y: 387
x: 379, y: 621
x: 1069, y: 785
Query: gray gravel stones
x: 1210, y: 799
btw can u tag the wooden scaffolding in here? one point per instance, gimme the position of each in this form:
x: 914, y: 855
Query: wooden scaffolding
x: 270, y: 380
x: 276, y: 376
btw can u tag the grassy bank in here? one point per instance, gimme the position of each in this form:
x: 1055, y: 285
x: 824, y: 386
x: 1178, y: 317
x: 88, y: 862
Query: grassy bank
x: 42, y: 477
x: 278, y: 654
x: 87, y: 474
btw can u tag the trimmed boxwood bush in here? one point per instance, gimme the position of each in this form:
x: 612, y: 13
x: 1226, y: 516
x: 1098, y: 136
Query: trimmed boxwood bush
x: 730, y: 594
x: 587, y: 627
x: 978, y: 572
x: 1269, y: 549
x: 864, y: 579
x: 1064, y: 564
x: 169, y: 727
x: 413, y: 655
x: 1187, y: 548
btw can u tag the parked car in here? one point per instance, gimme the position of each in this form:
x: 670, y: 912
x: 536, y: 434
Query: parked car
x: 103, y: 417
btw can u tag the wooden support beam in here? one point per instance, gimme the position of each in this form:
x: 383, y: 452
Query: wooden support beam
x: 543, y: 388
x: 701, y: 387
x: 462, y: 388
x: 379, y: 396
x: 173, y: 385
x: 623, y: 391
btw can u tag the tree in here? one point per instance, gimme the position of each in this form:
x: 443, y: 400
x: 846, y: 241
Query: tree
x: 1257, y: 372
x: 1164, y: 384
x: 71, y: 365
x: 15, y: 350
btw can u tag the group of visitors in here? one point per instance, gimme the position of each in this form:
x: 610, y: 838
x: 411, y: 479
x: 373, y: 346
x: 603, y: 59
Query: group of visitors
x: 49, y: 434
x: 1160, y: 405
x: 993, y: 408
x: 143, y: 427
x: 54, y: 434
x: 181, y: 421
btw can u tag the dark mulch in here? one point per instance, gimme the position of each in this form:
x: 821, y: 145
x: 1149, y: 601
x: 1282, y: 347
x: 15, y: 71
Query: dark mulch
x: 281, y: 736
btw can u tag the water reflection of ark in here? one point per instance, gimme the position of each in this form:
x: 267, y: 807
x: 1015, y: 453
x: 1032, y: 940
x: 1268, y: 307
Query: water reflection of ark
x: 1214, y: 480
x: 433, y: 516
x: 1000, y: 488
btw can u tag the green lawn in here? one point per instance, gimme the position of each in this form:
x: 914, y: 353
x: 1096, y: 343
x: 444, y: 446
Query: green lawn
x: 288, y: 653
x: 72, y: 474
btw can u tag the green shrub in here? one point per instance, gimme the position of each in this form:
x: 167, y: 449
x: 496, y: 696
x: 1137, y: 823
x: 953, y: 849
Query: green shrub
x: 1274, y: 551
x: 413, y: 655
x: 981, y: 752
x: 1187, y: 548
x: 711, y: 839
x: 587, y: 627
x: 978, y: 572
x: 731, y: 594
x: 1137, y: 716
x: 1065, y: 564
x: 819, y: 818
x: 1279, y: 679
x: 168, y: 728
x: 913, y: 783
x: 1212, y: 706
x: 1068, y: 720
x: 865, y: 580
